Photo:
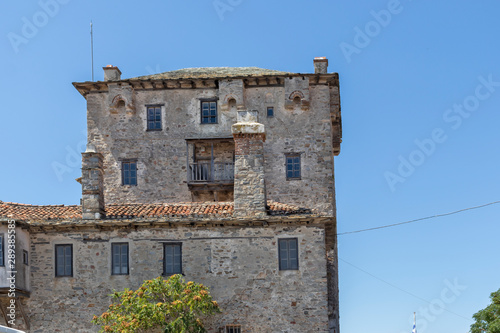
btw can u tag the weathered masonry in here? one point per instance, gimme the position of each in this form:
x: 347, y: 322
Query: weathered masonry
x: 225, y: 175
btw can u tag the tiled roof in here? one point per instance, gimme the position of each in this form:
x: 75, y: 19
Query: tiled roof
x: 31, y: 212
x: 276, y: 208
x: 211, y: 72
x: 174, y: 210
x: 119, y: 211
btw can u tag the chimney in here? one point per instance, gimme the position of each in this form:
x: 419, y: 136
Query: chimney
x: 249, y: 185
x: 112, y: 73
x: 92, y: 185
x: 320, y: 65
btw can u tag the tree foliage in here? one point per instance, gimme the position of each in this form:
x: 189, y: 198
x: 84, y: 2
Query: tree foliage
x: 488, y: 319
x: 172, y: 305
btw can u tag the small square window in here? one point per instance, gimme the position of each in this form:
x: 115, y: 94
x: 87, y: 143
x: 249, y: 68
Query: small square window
x: 25, y: 257
x: 129, y: 173
x: 288, y: 253
x: 154, y: 118
x: 209, y: 112
x: 172, y: 258
x: 2, y: 253
x: 270, y: 111
x: 233, y: 329
x: 64, y: 260
x: 119, y: 258
x: 293, y: 167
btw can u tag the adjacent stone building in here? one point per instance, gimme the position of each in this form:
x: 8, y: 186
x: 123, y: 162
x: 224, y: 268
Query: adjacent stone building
x: 225, y: 175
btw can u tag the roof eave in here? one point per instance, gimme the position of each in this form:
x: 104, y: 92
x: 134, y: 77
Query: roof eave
x: 100, y: 86
x: 300, y: 219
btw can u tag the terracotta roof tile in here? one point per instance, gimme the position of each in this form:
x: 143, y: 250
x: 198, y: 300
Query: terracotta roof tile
x: 134, y: 210
x: 31, y: 212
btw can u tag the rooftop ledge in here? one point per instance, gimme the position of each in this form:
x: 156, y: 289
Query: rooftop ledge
x: 206, y: 77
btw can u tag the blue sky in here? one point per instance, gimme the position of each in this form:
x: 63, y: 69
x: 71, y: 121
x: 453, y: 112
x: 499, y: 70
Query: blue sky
x: 420, y: 94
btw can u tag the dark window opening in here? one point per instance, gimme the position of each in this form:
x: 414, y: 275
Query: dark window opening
x: 288, y: 254
x: 208, y: 112
x: 233, y: 329
x: 297, y: 100
x: 270, y: 111
x: 64, y: 260
x: 25, y: 257
x: 232, y: 104
x: 119, y: 258
x: 120, y: 104
x: 154, y: 118
x: 172, y: 259
x: 293, y: 167
x: 129, y: 173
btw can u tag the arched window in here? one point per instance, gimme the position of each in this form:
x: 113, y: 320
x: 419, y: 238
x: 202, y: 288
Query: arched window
x: 118, y: 104
x: 232, y: 104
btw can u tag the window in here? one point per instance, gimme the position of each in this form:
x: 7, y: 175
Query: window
x: 209, y: 112
x: 64, y: 260
x: 293, y: 166
x: 270, y: 111
x: 2, y: 255
x: 154, y: 118
x: 119, y: 258
x: 233, y: 329
x: 25, y: 257
x: 129, y: 173
x: 172, y: 259
x: 231, y: 104
x: 288, y: 254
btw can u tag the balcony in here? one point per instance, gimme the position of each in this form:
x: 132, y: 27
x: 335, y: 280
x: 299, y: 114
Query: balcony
x: 211, y: 172
x: 210, y: 168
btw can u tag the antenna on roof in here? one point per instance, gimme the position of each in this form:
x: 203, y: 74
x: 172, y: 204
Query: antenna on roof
x: 92, y: 47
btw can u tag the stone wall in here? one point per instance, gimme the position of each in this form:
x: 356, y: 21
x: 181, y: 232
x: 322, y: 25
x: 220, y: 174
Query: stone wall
x: 249, y: 185
x: 239, y: 264
x: 307, y: 132
x: 306, y: 128
x: 92, y: 186
x: 223, y: 152
x: 22, y: 239
x: 333, y: 276
x: 13, y: 303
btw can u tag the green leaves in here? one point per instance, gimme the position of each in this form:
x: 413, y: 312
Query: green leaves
x: 172, y: 304
x: 488, y: 319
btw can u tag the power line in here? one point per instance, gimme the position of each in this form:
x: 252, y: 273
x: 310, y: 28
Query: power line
x: 420, y: 219
x: 396, y: 287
